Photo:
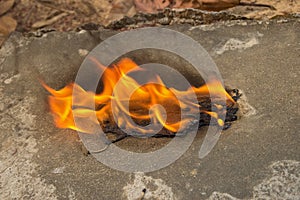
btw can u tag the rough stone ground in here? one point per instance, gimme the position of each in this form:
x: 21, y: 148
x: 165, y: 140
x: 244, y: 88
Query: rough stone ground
x: 258, y: 157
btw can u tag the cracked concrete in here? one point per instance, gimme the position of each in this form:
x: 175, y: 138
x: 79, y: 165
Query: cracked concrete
x: 39, y: 161
x: 284, y: 183
x: 19, y: 178
x: 155, y: 188
x: 234, y: 44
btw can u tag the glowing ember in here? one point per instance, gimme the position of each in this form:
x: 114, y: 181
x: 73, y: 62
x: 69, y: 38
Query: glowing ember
x: 144, y: 105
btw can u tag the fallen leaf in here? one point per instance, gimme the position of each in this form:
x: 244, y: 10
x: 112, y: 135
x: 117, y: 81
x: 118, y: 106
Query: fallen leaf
x: 119, y: 9
x: 217, y: 5
x: 43, y: 23
x: 5, y: 5
x: 151, y: 6
x: 131, y: 12
x: 121, y: 6
x: 7, y: 25
x: 187, y: 4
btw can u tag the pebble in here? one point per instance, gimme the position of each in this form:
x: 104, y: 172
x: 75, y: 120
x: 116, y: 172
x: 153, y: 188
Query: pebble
x: 83, y: 52
x: 8, y: 81
x: 194, y: 172
x: 164, y: 21
x: 58, y: 170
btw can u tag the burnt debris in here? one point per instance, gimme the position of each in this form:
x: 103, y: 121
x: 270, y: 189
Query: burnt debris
x: 112, y: 130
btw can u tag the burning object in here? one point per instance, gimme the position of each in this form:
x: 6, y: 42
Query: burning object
x: 151, y: 103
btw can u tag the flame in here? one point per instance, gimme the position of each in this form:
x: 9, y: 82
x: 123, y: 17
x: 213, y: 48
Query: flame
x: 127, y: 103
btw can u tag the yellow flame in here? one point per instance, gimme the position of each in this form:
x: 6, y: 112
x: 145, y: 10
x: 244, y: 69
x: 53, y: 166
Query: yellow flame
x: 143, y: 98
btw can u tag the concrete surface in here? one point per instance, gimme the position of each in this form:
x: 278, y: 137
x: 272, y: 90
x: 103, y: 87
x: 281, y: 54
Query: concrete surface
x: 257, y: 158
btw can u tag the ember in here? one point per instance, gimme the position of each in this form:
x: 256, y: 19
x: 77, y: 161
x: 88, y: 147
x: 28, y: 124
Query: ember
x: 145, y: 103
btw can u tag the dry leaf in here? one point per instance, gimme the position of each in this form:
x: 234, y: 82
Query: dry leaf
x: 131, y: 11
x: 5, y: 5
x: 217, y: 5
x: 151, y: 6
x: 121, y: 6
x: 119, y: 9
x: 43, y: 23
x: 7, y: 25
x: 187, y: 4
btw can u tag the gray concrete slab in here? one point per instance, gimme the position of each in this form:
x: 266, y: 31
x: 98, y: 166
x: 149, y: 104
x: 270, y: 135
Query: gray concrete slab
x: 258, y: 157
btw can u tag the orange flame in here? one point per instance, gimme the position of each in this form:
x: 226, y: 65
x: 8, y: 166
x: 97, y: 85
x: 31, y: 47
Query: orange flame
x: 130, y: 102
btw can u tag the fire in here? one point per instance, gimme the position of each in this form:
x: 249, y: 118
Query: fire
x: 125, y: 102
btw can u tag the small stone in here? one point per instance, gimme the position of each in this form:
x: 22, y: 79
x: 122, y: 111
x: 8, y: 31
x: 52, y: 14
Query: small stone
x: 58, y: 170
x: 83, y: 52
x: 82, y: 32
x: 8, y: 81
x: 194, y: 172
x: 164, y: 21
x: 244, y: 23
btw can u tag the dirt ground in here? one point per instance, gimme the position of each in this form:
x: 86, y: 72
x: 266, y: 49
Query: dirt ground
x: 66, y: 15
